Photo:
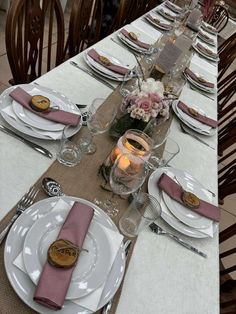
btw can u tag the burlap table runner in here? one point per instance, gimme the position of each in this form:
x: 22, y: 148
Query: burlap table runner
x: 80, y: 181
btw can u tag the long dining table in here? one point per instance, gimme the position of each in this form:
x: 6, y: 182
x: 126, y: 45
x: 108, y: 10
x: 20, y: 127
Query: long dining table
x: 162, y: 276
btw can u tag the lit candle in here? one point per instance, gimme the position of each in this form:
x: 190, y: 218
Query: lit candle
x: 123, y: 163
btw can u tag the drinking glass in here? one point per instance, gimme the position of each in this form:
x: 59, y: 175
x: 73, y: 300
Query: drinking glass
x: 157, y: 131
x: 98, y: 122
x: 143, y: 210
x: 69, y: 153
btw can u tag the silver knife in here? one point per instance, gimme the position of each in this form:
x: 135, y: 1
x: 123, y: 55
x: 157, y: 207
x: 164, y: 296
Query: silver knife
x: 158, y: 230
x: 97, y: 77
x: 36, y: 147
x: 107, y: 307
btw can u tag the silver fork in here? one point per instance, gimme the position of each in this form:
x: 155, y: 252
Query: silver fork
x: 24, y: 203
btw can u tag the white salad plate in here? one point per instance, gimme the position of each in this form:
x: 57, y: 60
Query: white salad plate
x: 21, y: 282
x: 92, y: 266
x: 205, y: 55
x: 192, y: 123
x: 166, y: 214
x: 17, y: 123
x: 99, y: 68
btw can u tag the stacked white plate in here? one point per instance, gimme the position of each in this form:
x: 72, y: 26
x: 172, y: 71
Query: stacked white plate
x: 175, y: 214
x: 30, y: 123
x: 208, y: 28
x: 192, y: 123
x: 132, y: 44
x: 204, y: 54
x: 102, y: 70
x: 173, y: 7
x: 199, y: 85
x: 98, y: 272
x: 210, y: 41
x: 167, y: 14
x: 157, y: 25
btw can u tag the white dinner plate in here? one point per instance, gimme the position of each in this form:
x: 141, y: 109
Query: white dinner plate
x: 199, y: 85
x: 166, y: 215
x: 97, y: 67
x: 162, y: 13
x: 209, y: 42
x: 204, y: 26
x: 156, y: 24
x: 173, y: 7
x: 92, y: 266
x: 18, y: 124
x: 184, y: 214
x: 23, y: 285
x: 202, y: 129
x: 131, y: 44
x: 205, y: 55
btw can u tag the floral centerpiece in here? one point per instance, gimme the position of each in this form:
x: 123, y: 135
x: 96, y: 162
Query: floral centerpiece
x: 144, y: 103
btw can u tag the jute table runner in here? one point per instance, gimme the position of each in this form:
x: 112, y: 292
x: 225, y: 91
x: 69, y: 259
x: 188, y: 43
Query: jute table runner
x: 80, y: 181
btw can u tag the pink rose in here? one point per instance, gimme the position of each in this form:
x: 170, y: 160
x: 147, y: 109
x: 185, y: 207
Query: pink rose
x: 144, y: 103
x: 155, y: 97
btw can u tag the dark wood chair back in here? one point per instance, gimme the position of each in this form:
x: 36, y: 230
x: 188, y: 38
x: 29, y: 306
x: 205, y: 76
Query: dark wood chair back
x: 227, y: 283
x: 219, y: 17
x: 84, y: 26
x: 227, y: 54
x: 30, y: 26
x: 226, y: 90
x: 139, y: 8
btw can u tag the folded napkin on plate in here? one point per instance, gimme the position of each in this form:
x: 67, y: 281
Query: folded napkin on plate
x: 113, y: 67
x: 167, y: 14
x: 207, y: 51
x: 211, y: 28
x: 158, y: 22
x: 207, y: 38
x: 54, y: 282
x: 135, y: 41
x: 173, y: 7
x: 198, y: 79
x: 175, y: 192
x: 197, y: 116
x: 60, y: 116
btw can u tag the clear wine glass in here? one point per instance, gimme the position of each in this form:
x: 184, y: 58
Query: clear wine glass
x: 98, y: 122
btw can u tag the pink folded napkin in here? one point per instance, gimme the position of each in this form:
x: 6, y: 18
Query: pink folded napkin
x: 198, y: 79
x: 113, y: 67
x: 173, y: 7
x: 137, y: 42
x: 54, y: 282
x: 204, y: 36
x: 199, y: 117
x: 207, y: 51
x: 158, y: 22
x: 60, y: 116
x: 175, y: 192
x: 167, y: 14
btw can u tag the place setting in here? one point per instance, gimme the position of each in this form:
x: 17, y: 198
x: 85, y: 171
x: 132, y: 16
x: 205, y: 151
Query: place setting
x: 206, y: 38
x: 167, y: 14
x: 173, y: 7
x: 158, y: 22
x: 38, y: 111
x: 205, y: 51
x: 199, y: 81
x: 209, y: 28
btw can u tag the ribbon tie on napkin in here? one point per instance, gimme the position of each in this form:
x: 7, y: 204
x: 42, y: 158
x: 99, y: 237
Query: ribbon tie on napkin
x: 54, y: 282
x: 158, y: 22
x: 198, y: 79
x: 113, y: 67
x: 175, y: 192
x: 197, y: 116
x: 135, y: 41
x: 60, y: 116
x: 207, y: 51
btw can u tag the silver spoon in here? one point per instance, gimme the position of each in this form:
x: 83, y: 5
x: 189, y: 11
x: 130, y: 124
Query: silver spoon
x: 51, y: 187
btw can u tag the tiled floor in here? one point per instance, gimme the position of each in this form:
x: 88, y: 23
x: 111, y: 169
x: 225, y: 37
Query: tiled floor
x: 228, y: 209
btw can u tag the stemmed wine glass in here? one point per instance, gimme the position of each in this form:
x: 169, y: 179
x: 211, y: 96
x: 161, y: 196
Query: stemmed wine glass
x: 98, y: 122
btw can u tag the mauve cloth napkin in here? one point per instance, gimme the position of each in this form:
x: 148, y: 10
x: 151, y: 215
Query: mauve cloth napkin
x: 113, y: 67
x: 207, y: 38
x: 173, y: 7
x: 60, y: 116
x: 159, y: 23
x: 207, y: 51
x: 197, y: 79
x: 175, y: 192
x: 199, y: 117
x: 54, y: 282
x: 137, y: 42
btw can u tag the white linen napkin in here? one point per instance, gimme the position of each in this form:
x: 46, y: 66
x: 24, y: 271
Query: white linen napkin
x: 55, y: 135
x: 92, y: 300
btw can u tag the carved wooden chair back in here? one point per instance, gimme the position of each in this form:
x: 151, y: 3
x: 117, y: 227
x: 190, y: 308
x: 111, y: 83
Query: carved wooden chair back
x: 227, y: 283
x: 31, y: 25
x: 139, y: 8
x: 227, y: 54
x: 84, y: 26
x: 226, y: 90
x: 219, y: 17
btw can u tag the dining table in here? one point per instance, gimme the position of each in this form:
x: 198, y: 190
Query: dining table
x: 161, y: 275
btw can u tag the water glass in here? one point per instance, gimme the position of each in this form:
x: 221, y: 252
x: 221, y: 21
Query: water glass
x: 69, y: 153
x: 143, y: 210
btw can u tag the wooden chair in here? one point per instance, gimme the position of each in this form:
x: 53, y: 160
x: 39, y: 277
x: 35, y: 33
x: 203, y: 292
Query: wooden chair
x: 219, y: 17
x: 227, y: 283
x: 226, y: 90
x: 84, y: 26
x: 139, y: 9
x: 25, y: 32
x: 227, y: 54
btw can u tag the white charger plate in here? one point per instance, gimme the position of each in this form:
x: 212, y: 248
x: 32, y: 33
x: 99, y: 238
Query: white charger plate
x: 131, y: 44
x: 157, y: 25
x: 92, y: 266
x: 184, y: 118
x: 187, y: 216
x: 97, y: 67
x: 205, y: 55
x: 6, y: 100
x: 199, y: 85
x: 166, y: 215
x: 21, y: 282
